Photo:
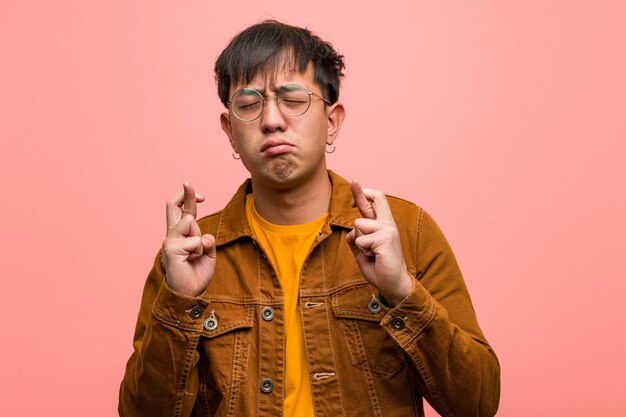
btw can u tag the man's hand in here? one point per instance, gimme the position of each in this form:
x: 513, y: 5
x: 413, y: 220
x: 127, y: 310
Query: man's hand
x: 375, y: 242
x: 188, y: 256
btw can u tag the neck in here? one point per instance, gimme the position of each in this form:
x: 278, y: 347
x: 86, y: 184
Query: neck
x: 295, y: 205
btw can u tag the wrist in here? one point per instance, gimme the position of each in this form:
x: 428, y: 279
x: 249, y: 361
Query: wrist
x: 402, y: 291
x: 181, y: 289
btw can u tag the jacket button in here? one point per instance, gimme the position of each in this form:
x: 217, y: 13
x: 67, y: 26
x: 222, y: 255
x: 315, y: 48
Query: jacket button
x: 267, y: 313
x: 374, y: 306
x: 210, y: 323
x: 267, y: 386
x: 195, y: 312
x: 398, y: 323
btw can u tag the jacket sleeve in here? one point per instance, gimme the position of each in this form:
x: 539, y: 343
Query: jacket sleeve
x: 459, y: 374
x: 161, y: 377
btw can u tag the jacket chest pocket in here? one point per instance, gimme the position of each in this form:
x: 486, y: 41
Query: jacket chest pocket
x: 359, y: 312
x: 224, y: 345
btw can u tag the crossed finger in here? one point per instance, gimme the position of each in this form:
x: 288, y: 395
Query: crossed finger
x: 183, y: 203
x: 372, y: 204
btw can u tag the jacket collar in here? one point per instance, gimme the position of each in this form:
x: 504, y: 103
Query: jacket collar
x: 233, y: 223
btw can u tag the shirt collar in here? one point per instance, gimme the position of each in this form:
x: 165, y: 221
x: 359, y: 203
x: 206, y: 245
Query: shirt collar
x: 233, y: 223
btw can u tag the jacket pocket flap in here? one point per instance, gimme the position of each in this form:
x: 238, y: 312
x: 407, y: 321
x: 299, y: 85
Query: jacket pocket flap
x: 360, y: 301
x: 226, y: 317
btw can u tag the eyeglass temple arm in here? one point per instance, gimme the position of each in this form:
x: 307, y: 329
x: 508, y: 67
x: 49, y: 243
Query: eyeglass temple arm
x: 320, y: 97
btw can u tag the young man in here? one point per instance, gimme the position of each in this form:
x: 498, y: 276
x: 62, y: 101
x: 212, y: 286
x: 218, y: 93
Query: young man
x: 306, y: 295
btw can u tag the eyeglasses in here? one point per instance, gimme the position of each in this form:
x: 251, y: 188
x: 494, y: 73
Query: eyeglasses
x: 293, y: 100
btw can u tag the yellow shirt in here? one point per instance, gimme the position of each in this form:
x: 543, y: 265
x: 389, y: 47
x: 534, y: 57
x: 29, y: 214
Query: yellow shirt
x: 287, y: 248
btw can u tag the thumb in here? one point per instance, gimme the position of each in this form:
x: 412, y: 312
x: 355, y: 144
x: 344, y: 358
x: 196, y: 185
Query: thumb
x: 208, y: 245
x: 350, y: 238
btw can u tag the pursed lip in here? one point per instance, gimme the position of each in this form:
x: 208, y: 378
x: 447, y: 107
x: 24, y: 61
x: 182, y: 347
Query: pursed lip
x: 275, y: 146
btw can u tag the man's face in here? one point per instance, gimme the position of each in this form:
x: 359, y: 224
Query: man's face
x: 282, y: 151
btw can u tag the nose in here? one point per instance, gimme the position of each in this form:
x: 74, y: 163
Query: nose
x: 272, y: 119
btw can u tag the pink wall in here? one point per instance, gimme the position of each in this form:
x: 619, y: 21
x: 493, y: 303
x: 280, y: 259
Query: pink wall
x: 505, y: 120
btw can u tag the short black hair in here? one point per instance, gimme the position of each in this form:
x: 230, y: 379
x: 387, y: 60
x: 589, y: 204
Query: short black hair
x: 266, y: 46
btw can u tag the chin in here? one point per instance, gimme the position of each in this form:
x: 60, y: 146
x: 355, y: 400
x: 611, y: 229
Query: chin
x: 282, y: 175
x: 286, y: 173
x: 283, y: 170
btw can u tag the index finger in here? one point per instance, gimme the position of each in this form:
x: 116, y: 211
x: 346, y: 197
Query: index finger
x: 380, y: 204
x: 189, y: 200
x: 361, y: 201
x: 176, y: 206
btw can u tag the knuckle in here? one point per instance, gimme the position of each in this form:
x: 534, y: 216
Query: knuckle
x: 387, y: 235
x: 166, y: 246
x: 171, y: 203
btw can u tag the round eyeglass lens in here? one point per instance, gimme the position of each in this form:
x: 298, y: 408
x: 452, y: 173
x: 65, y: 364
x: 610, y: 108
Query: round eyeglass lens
x: 293, y: 100
x: 247, y: 104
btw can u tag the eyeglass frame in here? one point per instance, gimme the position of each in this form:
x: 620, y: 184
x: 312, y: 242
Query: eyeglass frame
x: 265, y: 98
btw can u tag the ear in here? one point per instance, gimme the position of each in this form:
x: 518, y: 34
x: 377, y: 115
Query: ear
x: 336, y: 114
x: 228, y: 129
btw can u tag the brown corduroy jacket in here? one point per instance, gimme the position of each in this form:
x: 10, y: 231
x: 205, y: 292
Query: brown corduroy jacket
x: 223, y: 352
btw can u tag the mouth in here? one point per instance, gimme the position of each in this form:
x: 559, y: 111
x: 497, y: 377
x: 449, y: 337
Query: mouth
x: 275, y: 147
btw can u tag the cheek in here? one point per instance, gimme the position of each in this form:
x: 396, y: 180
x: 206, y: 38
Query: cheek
x: 236, y: 130
x: 240, y: 135
x: 317, y: 130
x: 321, y: 134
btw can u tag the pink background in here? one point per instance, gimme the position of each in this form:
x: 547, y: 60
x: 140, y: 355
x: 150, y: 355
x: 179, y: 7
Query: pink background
x: 505, y: 120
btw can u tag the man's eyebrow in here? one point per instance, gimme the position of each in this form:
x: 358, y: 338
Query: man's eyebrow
x: 274, y: 88
x: 247, y: 90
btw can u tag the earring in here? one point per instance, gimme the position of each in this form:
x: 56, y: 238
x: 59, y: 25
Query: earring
x: 236, y: 155
x: 333, y: 149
